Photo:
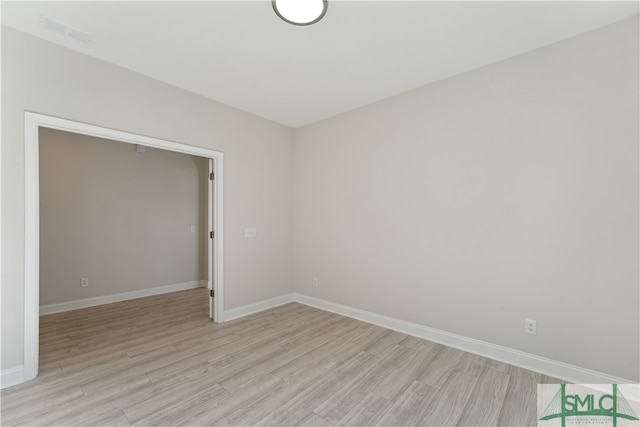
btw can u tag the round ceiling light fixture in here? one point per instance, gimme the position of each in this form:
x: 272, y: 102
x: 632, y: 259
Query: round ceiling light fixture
x: 300, y: 12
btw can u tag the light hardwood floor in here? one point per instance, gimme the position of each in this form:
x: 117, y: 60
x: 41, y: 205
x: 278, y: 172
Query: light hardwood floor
x: 160, y: 361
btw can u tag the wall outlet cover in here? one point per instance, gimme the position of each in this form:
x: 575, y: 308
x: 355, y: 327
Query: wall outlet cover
x: 530, y: 326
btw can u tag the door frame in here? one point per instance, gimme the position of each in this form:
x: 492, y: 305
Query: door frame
x: 211, y: 221
x: 32, y: 123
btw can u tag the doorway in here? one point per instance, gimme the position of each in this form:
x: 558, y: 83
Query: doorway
x: 33, y: 123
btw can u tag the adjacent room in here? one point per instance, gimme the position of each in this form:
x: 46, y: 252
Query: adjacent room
x: 356, y: 213
x: 128, y: 217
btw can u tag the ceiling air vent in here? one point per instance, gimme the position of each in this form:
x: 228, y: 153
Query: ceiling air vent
x: 63, y: 30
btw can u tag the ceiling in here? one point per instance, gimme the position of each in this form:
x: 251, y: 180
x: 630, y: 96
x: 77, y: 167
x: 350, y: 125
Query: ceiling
x: 241, y: 54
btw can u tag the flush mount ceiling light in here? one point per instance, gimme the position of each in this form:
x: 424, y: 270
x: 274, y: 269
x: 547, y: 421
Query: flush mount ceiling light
x: 300, y: 12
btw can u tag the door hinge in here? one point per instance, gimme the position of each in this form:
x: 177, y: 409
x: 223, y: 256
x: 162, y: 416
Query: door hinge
x: 212, y: 293
x: 211, y: 234
x: 211, y: 176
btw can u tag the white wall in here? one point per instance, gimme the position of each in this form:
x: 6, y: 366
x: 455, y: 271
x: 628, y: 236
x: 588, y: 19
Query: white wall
x: 121, y: 218
x: 505, y: 193
x: 44, y: 78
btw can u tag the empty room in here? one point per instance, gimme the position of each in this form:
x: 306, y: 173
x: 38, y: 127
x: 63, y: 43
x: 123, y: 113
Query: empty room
x: 320, y: 213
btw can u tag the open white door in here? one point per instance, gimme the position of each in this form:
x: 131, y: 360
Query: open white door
x: 210, y: 246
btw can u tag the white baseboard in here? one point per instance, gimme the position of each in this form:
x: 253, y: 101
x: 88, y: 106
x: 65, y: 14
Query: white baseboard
x: 256, y: 307
x: 553, y: 368
x: 12, y: 376
x: 108, y: 299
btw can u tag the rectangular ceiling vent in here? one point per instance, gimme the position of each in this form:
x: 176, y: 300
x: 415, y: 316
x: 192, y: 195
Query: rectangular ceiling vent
x: 63, y: 30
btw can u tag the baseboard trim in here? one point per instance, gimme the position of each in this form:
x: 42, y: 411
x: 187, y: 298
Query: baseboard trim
x: 553, y: 368
x: 11, y: 377
x: 108, y: 299
x: 246, y: 310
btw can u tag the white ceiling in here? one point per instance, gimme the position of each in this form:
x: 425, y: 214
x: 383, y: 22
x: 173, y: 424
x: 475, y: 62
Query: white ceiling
x: 241, y: 54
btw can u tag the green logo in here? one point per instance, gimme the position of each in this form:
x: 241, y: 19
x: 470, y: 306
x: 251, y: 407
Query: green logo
x: 564, y: 405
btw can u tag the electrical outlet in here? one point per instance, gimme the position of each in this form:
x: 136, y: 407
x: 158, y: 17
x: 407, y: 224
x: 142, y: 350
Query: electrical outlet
x: 530, y: 326
x: 84, y: 282
x: 315, y: 282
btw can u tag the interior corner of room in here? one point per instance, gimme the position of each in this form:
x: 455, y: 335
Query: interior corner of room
x: 455, y: 212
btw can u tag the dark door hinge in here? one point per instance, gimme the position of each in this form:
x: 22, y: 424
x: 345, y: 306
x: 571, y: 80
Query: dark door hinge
x: 212, y: 293
x: 211, y: 234
x: 211, y: 176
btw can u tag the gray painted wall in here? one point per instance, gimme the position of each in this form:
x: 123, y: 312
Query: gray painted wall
x: 118, y: 217
x: 505, y: 193
x: 45, y: 78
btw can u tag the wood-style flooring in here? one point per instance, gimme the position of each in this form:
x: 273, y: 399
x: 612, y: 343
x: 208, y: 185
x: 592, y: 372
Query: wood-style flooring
x: 160, y: 361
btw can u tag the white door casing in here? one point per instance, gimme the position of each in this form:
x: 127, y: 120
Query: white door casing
x: 33, y: 122
x: 211, y: 200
